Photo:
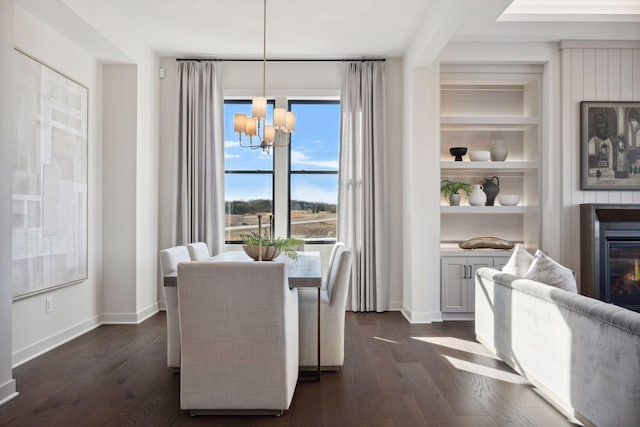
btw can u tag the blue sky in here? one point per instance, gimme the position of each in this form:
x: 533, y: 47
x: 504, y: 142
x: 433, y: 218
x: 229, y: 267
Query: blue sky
x: 315, y: 146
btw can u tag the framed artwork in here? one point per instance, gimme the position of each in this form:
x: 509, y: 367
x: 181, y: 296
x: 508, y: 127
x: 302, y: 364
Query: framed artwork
x: 49, y: 238
x: 609, y: 145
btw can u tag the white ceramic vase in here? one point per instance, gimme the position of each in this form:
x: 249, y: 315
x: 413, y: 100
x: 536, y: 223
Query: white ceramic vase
x: 477, y: 196
x: 498, y: 151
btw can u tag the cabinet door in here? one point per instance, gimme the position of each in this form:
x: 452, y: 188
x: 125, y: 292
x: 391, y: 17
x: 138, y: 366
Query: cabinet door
x: 499, y: 262
x: 454, y: 284
x: 474, y: 264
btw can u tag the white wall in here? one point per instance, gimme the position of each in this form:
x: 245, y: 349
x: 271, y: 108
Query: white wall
x: 76, y: 308
x: 147, y: 184
x: 591, y: 71
x: 295, y: 79
x: 119, y: 195
x: 7, y: 136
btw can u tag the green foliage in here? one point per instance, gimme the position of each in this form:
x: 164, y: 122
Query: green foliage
x: 252, y: 207
x: 447, y: 187
x: 286, y: 246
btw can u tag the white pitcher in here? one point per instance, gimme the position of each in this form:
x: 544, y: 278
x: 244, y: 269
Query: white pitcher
x: 477, y: 196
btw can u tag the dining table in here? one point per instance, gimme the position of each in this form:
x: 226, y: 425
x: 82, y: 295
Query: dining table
x: 303, y: 272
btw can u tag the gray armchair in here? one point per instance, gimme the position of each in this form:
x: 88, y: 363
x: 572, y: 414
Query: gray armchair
x: 169, y: 259
x: 239, y: 331
x: 333, y: 303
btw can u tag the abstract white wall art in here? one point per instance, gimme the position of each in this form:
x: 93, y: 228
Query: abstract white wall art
x: 49, y: 180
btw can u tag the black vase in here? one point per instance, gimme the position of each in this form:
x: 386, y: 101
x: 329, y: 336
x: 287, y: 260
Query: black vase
x: 491, y: 187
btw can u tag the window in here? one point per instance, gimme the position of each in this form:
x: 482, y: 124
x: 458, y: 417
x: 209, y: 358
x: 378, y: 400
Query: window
x: 257, y: 182
x: 248, y: 185
x: 313, y: 173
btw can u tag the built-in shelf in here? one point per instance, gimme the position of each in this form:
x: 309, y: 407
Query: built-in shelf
x: 494, y: 123
x: 488, y: 209
x: 515, y: 166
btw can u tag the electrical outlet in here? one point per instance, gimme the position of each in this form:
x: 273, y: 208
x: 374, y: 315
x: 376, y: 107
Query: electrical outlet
x: 49, y: 304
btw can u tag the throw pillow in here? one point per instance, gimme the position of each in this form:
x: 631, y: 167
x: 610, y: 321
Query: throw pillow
x: 519, y: 263
x: 545, y: 270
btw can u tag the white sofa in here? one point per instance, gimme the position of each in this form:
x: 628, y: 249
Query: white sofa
x: 581, y: 353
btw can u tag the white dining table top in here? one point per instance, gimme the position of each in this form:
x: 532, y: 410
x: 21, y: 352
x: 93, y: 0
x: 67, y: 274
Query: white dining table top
x: 304, y: 272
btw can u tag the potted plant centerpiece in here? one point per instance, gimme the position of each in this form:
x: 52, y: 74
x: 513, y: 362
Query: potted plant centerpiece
x: 451, y: 190
x: 264, y: 247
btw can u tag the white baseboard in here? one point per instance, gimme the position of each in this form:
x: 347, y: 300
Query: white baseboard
x: 129, y: 318
x: 424, y: 317
x: 162, y: 306
x: 457, y: 316
x: 24, y: 355
x: 8, y: 391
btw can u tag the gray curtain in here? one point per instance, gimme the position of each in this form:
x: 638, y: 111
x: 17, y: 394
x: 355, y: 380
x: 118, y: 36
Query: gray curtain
x: 200, y: 216
x: 362, y: 192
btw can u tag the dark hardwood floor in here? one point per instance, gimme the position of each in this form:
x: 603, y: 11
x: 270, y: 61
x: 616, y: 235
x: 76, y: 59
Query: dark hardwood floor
x: 395, y: 374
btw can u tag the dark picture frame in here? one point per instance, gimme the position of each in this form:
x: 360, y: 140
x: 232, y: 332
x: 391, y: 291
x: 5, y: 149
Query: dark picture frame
x: 610, y: 145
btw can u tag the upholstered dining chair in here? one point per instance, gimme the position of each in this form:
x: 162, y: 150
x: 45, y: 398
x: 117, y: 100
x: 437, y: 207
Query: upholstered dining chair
x: 333, y: 302
x: 239, y: 331
x: 169, y: 259
x: 198, y: 251
x: 332, y: 258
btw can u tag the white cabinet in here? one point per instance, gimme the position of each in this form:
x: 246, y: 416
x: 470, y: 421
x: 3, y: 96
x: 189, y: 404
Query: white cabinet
x: 457, y: 275
x: 478, y: 105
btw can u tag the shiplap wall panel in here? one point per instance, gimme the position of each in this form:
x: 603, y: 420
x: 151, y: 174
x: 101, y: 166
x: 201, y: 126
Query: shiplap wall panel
x: 613, y: 94
x: 590, y: 74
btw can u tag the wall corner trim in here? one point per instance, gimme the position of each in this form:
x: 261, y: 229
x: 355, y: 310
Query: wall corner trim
x: 8, y: 391
x: 424, y: 317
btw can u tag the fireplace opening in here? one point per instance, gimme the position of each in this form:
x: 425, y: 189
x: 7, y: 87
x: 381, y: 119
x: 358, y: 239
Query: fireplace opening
x: 610, y: 253
x: 622, y: 272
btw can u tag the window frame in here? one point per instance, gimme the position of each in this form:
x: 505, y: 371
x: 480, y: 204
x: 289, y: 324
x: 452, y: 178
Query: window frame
x: 250, y: 171
x: 291, y: 172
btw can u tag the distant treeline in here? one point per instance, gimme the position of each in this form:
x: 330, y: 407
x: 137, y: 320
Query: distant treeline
x: 250, y: 207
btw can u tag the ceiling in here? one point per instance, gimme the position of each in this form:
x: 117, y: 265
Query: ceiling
x: 327, y: 28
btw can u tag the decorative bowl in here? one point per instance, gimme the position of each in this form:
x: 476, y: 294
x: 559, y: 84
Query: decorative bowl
x: 480, y: 155
x: 458, y: 152
x: 268, y: 252
x: 508, y: 199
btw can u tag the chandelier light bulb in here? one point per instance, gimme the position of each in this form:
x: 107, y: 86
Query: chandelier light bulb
x: 259, y: 107
x: 290, y: 124
x: 269, y: 133
x: 239, y: 122
x: 279, y: 118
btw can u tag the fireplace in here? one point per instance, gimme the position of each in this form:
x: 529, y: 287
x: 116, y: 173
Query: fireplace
x: 610, y: 253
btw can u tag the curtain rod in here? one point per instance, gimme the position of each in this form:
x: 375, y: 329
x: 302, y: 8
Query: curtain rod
x: 281, y: 60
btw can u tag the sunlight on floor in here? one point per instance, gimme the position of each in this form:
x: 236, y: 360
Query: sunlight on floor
x: 486, y: 371
x: 386, y: 340
x: 458, y: 344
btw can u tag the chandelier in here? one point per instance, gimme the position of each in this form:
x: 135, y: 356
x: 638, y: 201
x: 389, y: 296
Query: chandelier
x: 255, y: 126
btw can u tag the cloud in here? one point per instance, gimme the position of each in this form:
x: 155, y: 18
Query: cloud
x: 231, y: 156
x: 301, y: 159
x: 231, y: 144
x: 313, y: 193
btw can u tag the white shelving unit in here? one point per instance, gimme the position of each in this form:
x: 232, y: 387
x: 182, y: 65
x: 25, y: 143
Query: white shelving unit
x: 479, y: 105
